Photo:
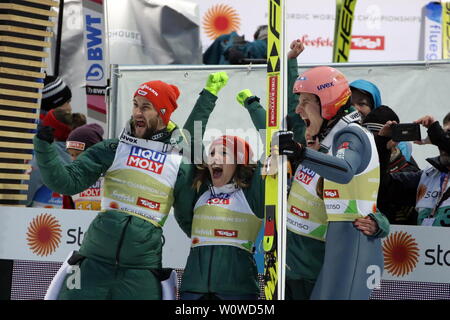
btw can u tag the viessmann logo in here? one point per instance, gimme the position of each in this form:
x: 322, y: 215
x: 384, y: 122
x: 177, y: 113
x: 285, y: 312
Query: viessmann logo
x: 225, y: 233
x: 44, y: 234
x: 146, y: 159
x: 401, y: 253
x: 367, y: 43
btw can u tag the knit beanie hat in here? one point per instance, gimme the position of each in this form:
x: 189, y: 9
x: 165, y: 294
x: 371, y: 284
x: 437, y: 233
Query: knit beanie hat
x: 84, y: 137
x: 163, y: 97
x: 62, y: 130
x: 240, y: 148
x: 378, y: 117
x: 55, y: 93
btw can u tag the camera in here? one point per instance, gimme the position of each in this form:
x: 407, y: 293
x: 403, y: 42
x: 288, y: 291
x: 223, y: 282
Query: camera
x: 406, y: 132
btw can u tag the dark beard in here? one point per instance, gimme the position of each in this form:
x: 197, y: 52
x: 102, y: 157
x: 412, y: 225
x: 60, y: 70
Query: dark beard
x: 150, y: 133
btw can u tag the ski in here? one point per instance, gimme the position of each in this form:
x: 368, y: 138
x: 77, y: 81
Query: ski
x: 275, y: 167
x: 445, y: 30
x: 345, y: 10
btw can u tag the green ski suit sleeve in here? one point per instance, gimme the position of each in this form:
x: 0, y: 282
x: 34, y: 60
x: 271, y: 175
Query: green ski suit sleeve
x: 73, y: 178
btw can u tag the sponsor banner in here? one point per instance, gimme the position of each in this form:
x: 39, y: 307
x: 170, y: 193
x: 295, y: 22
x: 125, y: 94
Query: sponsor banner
x: 42, y: 234
x: 96, y: 70
x: 417, y: 253
x: 396, y: 28
x: 446, y: 30
x: 432, y: 42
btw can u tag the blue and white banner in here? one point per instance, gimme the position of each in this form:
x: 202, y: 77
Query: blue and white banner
x: 432, y: 42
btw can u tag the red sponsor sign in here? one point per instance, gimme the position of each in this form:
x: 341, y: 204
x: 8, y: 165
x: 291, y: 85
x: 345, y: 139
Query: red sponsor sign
x: 145, y: 164
x: 299, y: 212
x: 367, y: 43
x: 142, y: 202
x: 273, y: 101
x: 91, y: 192
x: 330, y: 193
x: 218, y: 201
x: 225, y: 233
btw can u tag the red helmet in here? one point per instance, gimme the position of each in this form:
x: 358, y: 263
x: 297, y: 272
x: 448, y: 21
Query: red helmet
x: 329, y: 84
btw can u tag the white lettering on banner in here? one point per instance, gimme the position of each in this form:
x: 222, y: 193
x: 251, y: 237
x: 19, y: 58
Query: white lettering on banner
x: 91, y: 192
x: 139, y: 186
x: 222, y: 198
x: 305, y: 176
x: 123, y: 197
x: 94, y: 47
x: 310, y: 203
x: 331, y: 193
x: 218, y: 218
x: 226, y: 233
x: 374, y: 279
x: 203, y: 232
x: 367, y: 43
x: 299, y: 212
x: 74, y: 280
x: 146, y: 203
x: 146, y: 159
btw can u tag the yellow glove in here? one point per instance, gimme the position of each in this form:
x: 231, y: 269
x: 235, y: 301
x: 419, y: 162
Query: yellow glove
x: 216, y: 81
x: 243, y: 95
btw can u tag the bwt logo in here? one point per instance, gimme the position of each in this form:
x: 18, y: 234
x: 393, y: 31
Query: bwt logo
x: 299, y: 212
x: 367, y: 43
x: 142, y: 202
x: 94, y: 48
x: 225, y: 233
x: 305, y: 175
x: 221, y: 198
x: 325, y: 85
x: 330, y: 193
x: 146, y: 159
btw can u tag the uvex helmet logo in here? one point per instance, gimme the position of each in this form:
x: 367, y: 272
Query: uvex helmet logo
x: 401, y: 253
x: 325, y: 85
x: 44, y: 234
x: 142, y: 202
x: 146, y: 159
x: 225, y: 233
x: 330, y: 193
x: 299, y: 212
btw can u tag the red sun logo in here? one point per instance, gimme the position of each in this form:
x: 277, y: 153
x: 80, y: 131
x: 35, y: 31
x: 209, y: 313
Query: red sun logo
x: 220, y: 19
x: 44, y: 234
x: 401, y: 253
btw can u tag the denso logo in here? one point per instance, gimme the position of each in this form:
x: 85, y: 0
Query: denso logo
x: 221, y: 198
x: 325, y: 85
x: 330, y: 194
x: 142, y: 202
x: 305, y: 175
x: 225, y: 233
x: 367, y: 43
x: 146, y: 159
x: 299, y: 212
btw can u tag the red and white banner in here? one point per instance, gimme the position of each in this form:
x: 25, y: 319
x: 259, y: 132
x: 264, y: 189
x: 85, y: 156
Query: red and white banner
x: 385, y: 31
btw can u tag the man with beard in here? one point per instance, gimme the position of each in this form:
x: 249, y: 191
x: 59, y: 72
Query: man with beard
x: 428, y: 190
x: 334, y: 228
x: 145, y: 174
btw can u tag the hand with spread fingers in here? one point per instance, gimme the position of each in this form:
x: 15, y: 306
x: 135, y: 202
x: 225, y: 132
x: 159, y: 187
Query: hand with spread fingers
x: 366, y: 225
x: 216, y: 81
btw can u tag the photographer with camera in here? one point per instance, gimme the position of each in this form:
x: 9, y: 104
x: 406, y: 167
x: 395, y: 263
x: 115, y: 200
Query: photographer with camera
x: 428, y: 190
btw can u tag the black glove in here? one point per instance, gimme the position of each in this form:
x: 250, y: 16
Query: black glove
x: 45, y: 133
x: 287, y: 146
